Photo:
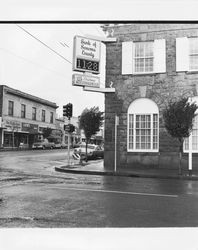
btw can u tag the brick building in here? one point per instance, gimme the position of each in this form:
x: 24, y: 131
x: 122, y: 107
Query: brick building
x: 149, y: 64
x: 23, y: 117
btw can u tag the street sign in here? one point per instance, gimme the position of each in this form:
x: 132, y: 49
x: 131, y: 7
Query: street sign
x: 86, y: 56
x: 67, y: 127
x: 85, y: 80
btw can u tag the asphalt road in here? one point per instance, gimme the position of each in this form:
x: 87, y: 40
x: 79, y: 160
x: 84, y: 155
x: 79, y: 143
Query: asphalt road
x: 34, y: 195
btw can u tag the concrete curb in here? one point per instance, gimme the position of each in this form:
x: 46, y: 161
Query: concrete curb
x: 123, y: 174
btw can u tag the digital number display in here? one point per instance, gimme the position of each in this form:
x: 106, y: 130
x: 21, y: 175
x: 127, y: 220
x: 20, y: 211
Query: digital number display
x: 87, y: 65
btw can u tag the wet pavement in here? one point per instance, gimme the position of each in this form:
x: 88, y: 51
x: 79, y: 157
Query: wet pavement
x: 97, y: 168
x: 33, y: 194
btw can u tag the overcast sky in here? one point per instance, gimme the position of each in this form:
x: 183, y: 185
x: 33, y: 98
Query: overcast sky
x: 30, y: 66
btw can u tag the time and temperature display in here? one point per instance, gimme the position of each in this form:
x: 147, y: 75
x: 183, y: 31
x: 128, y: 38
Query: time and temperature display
x: 87, y: 65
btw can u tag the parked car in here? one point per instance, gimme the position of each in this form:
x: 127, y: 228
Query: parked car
x: 60, y: 145
x: 43, y: 144
x: 93, y: 151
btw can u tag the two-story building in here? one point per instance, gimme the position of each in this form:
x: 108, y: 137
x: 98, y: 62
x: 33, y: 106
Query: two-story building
x: 23, y: 117
x: 149, y: 65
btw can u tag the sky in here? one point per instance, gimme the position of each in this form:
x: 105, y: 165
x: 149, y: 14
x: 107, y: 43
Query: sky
x: 28, y: 65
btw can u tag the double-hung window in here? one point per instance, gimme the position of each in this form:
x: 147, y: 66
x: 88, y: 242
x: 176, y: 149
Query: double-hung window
x: 23, y: 109
x: 193, y: 53
x: 10, y: 108
x: 51, y: 117
x: 43, y: 116
x: 143, y: 126
x: 193, y: 138
x: 187, y: 54
x: 34, y: 113
x: 143, y: 57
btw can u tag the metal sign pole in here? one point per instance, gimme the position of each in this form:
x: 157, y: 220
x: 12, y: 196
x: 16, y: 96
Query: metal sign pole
x: 68, y: 149
x: 115, y: 160
x: 190, y: 155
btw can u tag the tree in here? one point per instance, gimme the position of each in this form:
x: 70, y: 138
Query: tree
x: 90, y: 121
x: 178, y: 120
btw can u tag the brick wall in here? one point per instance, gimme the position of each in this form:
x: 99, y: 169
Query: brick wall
x: 159, y: 87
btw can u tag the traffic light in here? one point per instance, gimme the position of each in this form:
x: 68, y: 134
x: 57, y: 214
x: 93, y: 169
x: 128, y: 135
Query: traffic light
x: 67, y: 110
x: 64, y: 110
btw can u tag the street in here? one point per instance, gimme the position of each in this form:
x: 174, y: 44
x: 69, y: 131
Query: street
x: 34, y: 195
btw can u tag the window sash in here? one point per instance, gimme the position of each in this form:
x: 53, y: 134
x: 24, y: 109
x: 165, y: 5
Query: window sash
x: 34, y: 114
x: 11, y: 108
x: 43, y: 116
x: 193, y: 138
x: 143, y: 132
x: 193, y: 54
x: 23, y: 108
x: 143, y: 57
x: 51, y: 117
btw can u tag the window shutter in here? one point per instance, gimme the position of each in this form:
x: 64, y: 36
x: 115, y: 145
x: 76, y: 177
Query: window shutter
x: 160, y: 56
x: 182, y: 56
x: 127, y: 58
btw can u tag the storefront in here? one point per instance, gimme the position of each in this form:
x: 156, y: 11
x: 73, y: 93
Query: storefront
x: 16, y: 133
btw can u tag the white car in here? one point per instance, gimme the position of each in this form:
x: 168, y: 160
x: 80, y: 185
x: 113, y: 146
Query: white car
x: 93, y: 151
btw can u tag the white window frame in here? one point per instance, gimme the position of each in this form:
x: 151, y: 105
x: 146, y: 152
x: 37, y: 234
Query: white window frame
x: 139, y: 108
x: 134, y: 58
x: 191, y: 54
x: 190, y: 139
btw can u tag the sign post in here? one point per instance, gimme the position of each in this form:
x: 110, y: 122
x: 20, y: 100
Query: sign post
x: 68, y: 144
x: 68, y: 151
x: 116, y: 124
x: 190, y: 155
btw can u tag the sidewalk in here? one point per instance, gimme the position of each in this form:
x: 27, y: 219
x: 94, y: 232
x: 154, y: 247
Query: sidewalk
x: 97, y: 168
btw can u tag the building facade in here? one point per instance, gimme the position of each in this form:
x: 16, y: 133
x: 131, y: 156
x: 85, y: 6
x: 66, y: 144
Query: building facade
x: 23, y: 117
x: 149, y: 65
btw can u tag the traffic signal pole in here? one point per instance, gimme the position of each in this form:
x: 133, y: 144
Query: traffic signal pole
x: 68, y: 151
x: 67, y: 111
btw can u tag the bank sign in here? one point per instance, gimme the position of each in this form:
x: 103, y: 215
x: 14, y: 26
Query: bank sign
x: 85, y: 80
x: 86, y: 55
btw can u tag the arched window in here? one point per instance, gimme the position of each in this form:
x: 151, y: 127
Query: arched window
x: 193, y: 138
x: 143, y: 126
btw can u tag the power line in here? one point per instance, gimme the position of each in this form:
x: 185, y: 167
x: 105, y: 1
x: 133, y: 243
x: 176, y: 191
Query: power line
x: 43, y: 43
x: 32, y: 62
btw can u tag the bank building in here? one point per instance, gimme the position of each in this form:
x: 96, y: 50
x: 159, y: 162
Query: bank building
x: 149, y: 64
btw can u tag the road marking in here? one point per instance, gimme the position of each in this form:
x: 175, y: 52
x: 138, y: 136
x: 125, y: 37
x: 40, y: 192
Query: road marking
x: 116, y: 192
